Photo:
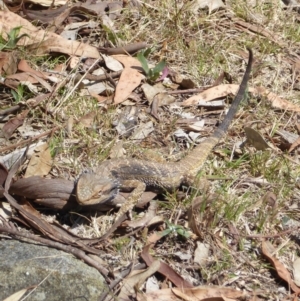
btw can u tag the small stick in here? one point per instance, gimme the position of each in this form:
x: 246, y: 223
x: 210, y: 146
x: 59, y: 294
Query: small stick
x: 25, y: 142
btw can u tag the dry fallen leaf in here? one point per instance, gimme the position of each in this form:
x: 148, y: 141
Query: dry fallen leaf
x: 224, y: 90
x: 209, y: 293
x: 212, y: 293
x: 18, y: 295
x: 43, y: 41
x: 8, y: 62
x: 13, y: 123
x: 255, y: 139
x: 165, y: 270
x: 283, y: 273
x: 129, y: 79
x: 40, y: 163
x: 296, y: 271
x: 136, y: 280
x: 294, y: 145
x: 211, y: 93
x: 201, y: 253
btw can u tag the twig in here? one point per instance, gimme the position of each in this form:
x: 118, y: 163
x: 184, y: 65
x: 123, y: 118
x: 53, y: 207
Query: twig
x: 22, y: 143
x: 114, y: 283
x: 188, y: 91
x: 75, y: 86
x: 130, y: 48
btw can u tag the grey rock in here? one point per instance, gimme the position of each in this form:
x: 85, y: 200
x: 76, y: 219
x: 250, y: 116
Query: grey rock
x: 58, y: 275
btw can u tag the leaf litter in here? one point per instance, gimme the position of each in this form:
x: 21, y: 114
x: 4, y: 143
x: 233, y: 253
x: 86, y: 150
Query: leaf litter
x: 79, y: 91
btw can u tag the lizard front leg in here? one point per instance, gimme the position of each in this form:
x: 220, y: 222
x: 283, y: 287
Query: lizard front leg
x: 133, y: 198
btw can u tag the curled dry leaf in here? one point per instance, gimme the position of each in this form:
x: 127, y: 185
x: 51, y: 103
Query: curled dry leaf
x: 209, y: 293
x: 224, y: 90
x: 210, y: 94
x: 136, y: 280
x: 213, y: 293
x: 165, y: 270
x: 43, y: 41
x: 283, y: 273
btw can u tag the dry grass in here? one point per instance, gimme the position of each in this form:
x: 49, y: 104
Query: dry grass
x: 201, y: 46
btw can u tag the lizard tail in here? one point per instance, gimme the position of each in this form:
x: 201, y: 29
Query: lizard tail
x: 193, y: 162
x: 223, y: 127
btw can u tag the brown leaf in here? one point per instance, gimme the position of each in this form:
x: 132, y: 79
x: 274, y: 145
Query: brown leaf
x: 43, y: 41
x: 154, y: 237
x: 276, y: 101
x: 208, y: 293
x: 37, y: 75
x: 255, y: 139
x: 211, y: 93
x: 129, y: 79
x: 283, y: 273
x: 193, y: 211
x: 165, y: 269
x: 33, y: 102
x: 224, y: 90
x: 145, y: 220
x: 23, y: 77
x: 135, y: 280
x: 8, y: 62
x: 40, y: 163
x: 88, y: 120
x: 159, y: 295
x: 294, y: 145
x: 12, y: 124
x: 23, y: 66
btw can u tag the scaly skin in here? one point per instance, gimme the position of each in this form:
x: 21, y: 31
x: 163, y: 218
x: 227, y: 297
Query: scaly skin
x: 102, y: 184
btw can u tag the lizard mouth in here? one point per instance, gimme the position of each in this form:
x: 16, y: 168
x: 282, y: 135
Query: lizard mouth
x: 91, y: 189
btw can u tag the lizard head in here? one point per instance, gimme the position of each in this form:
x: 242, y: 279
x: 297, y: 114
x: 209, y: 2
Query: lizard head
x: 93, y: 189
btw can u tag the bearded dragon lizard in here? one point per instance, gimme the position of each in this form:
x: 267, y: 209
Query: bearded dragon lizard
x: 103, y: 183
